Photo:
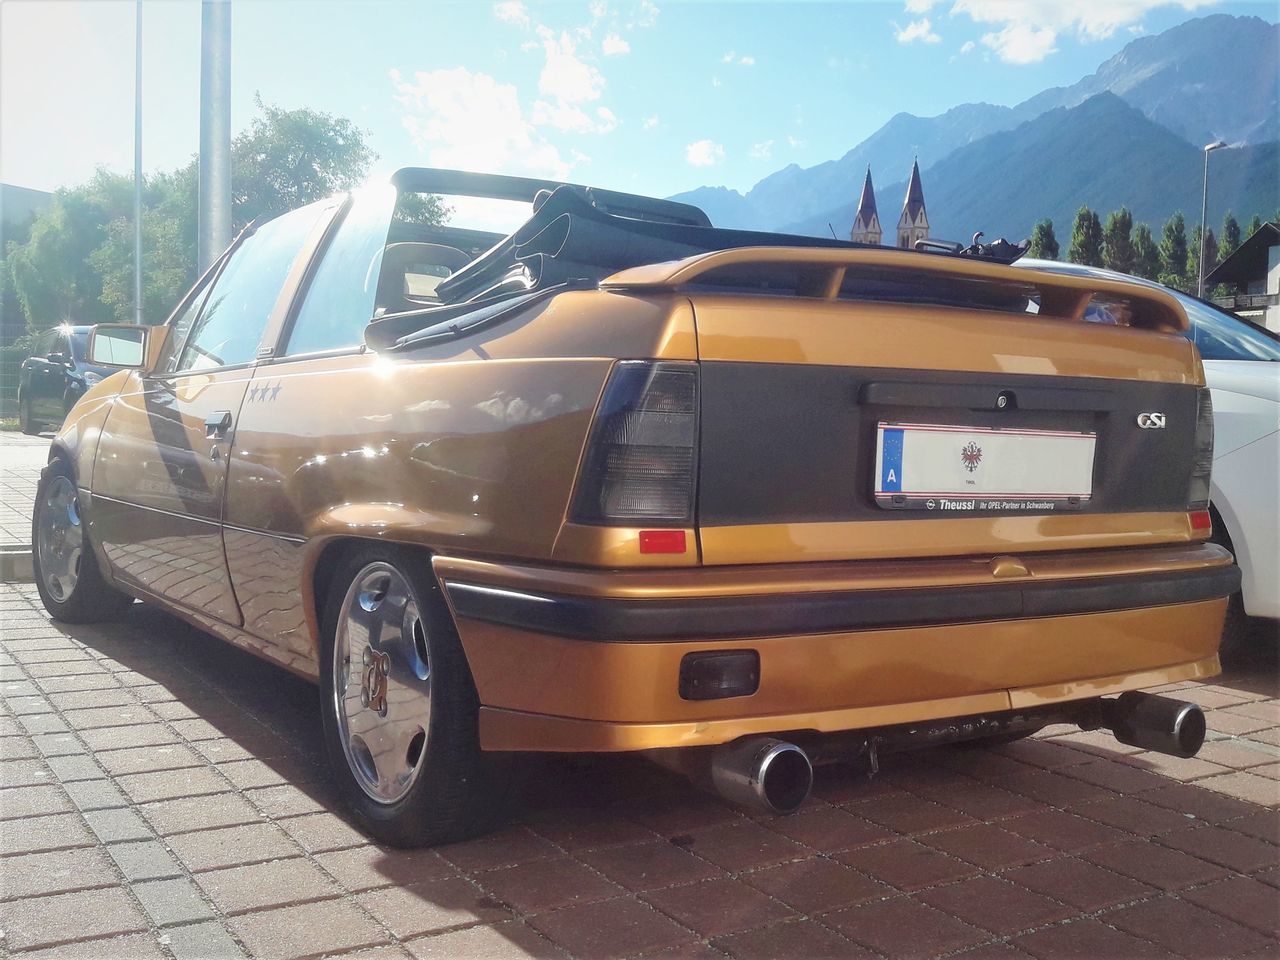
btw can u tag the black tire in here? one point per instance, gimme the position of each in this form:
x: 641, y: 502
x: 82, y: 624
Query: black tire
x: 1237, y: 629
x: 459, y: 791
x: 1238, y: 625
x: 92, y: 599
x: 25, y: 421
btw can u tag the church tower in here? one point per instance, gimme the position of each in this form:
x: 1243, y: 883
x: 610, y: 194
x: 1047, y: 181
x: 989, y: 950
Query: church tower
x: 866, y: 222
x: 913, y: 225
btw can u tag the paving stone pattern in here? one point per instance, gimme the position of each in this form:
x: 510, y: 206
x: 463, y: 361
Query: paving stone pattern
x: 163, y: 795
x: 21, y: 458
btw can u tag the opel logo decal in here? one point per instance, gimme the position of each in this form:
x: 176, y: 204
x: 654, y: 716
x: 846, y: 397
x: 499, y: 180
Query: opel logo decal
x: 1151, y: 421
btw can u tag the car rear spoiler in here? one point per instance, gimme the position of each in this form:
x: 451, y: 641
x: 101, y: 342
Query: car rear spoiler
x: 835, y: 274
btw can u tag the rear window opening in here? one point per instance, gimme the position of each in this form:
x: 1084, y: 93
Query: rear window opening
x: 432, y: 237
x: 910, y: 286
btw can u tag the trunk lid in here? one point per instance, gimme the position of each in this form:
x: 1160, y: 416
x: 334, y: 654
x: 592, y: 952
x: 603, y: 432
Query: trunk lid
x: 834, y: 386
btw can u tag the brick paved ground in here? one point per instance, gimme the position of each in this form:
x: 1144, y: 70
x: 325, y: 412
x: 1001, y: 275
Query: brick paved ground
x: 21, y: 458
x: 163, y: 796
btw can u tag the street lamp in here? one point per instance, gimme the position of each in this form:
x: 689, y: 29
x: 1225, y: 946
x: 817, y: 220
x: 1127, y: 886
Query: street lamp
x: 1204, y: 212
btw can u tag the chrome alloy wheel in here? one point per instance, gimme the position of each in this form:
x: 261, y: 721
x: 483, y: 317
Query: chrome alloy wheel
x: 381, y: 682
x: 60, y: 538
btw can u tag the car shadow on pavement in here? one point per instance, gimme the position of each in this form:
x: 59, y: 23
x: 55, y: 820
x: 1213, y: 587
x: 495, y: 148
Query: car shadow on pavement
x: 1063, y: 842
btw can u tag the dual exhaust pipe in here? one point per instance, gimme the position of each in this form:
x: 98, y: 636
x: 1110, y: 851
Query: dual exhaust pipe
x: 775, y: 776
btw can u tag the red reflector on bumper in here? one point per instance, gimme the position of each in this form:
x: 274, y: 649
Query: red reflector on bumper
x: 662, y: 541
x: 1201, y: 522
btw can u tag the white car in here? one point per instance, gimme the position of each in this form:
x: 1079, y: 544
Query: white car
x: 1242, y: 367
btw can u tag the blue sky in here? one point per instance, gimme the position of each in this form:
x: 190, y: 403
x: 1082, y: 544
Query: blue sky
x: 654, y: 96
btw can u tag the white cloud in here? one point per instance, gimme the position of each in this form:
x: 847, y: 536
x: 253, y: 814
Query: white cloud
x: 715, y: 82
x: 473, y: 122
x: 615, y: 46
x: 795, y: 143
x: 513, y: 12
x: 597, y: 9
x: 1022, y: 43
x: 561, y: 116
x: 1026, y: 31
x: 564, y: 76
x: 728, y: 57
x: 747, y: 61
x: 761, y: 151
x: 920, y: 6
x: 606, y: 120
x: 920, y: 30
x: 704, y: 153
x: 968, y: 46
x: 646, y: 14
x: 650, y: 122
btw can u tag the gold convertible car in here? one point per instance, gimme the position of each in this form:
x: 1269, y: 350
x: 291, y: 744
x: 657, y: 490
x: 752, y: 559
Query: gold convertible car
x: 592, y: 475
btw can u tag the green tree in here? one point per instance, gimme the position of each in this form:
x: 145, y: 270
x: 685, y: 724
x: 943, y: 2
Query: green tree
x: 76, y: 264
x: 1254, y: 226
x: 1193, y: 257
x: 1117, y: 243
x: 169, y: 222
x: 51, y: 272
x: 1173, y: 252
x: 1146, y: 255
x: 288, y: 158
x: 1230, y: 242
x: 1086, y: 239
x: 1043, y: 243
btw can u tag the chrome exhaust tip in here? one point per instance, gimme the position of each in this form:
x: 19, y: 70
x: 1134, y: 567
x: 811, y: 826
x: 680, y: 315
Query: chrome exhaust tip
x: 1144, y: 720
x: 769, y: 775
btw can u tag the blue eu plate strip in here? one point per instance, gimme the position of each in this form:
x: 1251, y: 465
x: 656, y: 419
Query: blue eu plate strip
x: 891, y: 461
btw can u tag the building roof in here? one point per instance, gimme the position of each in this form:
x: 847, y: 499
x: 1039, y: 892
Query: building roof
x: 1249, y: 262
x: 866, y: 202
x: 914, y: 203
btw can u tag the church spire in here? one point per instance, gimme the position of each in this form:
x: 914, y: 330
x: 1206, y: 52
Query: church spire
x: 913, y: 225
x: 866, y: 222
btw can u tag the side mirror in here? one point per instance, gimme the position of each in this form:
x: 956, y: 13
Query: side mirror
x: 57, y: 357
x: 118, y: 345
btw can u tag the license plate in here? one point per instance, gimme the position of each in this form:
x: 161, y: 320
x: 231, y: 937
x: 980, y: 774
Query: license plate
x: 947, y: 468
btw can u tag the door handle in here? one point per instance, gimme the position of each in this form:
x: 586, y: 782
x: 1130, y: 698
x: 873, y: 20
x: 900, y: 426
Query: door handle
x: 217, y: 424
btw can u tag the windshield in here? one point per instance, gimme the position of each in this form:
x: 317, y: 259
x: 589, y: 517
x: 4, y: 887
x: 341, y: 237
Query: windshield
x: 79, y: 345
x: 1221, y: 336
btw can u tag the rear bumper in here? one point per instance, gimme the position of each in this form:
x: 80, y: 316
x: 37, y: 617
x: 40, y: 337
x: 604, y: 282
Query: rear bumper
x: 718, y: 618
x: 571, y: 659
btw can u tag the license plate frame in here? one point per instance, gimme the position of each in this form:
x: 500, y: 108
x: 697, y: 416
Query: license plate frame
x: 956, y: 468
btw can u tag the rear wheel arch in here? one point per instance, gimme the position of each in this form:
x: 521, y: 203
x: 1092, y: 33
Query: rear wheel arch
x: 318, y: 581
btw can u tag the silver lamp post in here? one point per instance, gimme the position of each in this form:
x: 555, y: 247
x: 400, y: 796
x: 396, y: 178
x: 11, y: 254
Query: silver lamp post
x: 214, y: 225
x: 137, y: 162
x: 1204, y: 212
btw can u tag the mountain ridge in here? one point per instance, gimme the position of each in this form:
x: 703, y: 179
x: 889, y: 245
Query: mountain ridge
x: 1177, y: 79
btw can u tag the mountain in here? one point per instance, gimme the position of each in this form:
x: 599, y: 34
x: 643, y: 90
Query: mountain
x: 1087, y: 154
x: 794, y: 193
x: 1209, y: 78
x: 1216, y: 78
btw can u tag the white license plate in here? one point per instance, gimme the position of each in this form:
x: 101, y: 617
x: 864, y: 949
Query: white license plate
x: 948, y: 468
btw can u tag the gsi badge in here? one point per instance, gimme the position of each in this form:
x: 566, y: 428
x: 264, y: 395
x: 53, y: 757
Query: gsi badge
x: 1151, y: 421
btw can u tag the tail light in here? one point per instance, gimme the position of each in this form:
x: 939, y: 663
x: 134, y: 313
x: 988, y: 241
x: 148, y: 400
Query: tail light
x: 641, y: 462
x: 1202, y: 466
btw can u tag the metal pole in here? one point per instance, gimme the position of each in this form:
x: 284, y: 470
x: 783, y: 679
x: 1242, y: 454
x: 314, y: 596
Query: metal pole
x: 215, y: 131
x: 1204, y: 214
x: 137, y: 163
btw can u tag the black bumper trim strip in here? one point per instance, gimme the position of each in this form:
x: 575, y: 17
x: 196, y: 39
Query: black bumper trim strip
x: 740, y: 618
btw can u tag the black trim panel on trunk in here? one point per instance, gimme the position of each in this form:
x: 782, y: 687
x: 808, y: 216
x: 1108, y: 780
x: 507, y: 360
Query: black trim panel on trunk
x: 796, y: 443
x: 720, y: 618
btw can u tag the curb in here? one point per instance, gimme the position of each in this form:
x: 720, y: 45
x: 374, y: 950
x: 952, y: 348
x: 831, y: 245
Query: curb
x: 15, y: 564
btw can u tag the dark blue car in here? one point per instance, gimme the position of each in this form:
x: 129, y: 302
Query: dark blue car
x: 54, y: 376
